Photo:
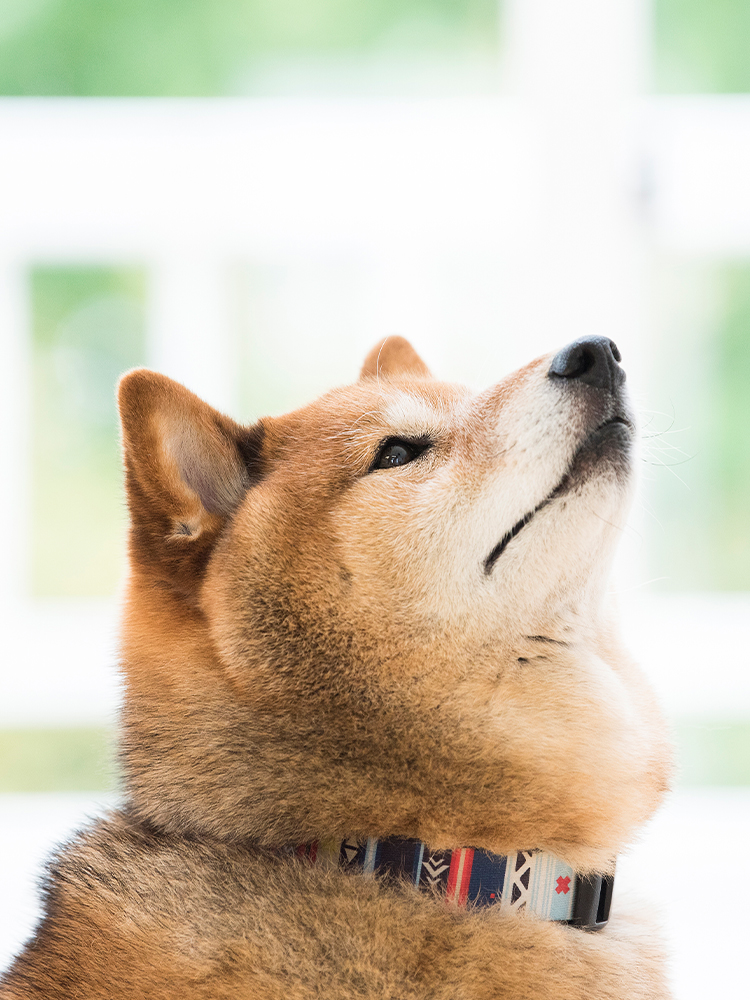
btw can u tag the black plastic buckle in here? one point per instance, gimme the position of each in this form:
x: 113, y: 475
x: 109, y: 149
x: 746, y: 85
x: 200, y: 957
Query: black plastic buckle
x: 592, y: 901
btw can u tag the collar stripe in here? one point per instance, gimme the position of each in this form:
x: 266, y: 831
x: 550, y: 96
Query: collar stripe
x: 531, y: 880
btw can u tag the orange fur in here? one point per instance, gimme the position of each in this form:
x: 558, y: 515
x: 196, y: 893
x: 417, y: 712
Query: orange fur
x: 314, y: 647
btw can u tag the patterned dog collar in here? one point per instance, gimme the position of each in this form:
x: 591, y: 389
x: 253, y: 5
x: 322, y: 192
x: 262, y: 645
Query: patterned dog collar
x: 532, y: 880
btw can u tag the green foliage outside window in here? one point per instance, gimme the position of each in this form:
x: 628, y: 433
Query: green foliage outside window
x: 702, y: 46
x: 205, y: 48
x: 209, y: 48
x: 699, y: 503
x: 88, y: 327
x: 58, y: 760
x: 731, y: 432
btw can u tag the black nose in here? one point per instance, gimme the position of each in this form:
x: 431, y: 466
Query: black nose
x: 592, y: 360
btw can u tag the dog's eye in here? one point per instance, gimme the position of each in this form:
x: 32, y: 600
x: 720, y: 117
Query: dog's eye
x: 397, y: 451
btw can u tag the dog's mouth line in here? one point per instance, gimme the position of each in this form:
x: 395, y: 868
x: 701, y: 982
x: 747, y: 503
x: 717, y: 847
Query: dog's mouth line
x: 561, y: 487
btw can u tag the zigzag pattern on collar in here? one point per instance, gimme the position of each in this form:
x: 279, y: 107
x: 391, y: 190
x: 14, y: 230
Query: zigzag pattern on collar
x: 531, y: 880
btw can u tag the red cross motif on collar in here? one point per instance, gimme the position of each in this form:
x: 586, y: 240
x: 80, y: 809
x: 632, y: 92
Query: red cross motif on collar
x: 563, y: 885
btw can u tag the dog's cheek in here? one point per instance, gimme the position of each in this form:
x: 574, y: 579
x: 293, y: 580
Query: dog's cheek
x: 401, y: 551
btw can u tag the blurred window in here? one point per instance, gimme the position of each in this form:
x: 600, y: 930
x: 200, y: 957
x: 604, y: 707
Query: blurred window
x: 222, y: 47
x: 702, y: 46
x: 698, y: 479
x: 228, y: 47
x: 88, y: 327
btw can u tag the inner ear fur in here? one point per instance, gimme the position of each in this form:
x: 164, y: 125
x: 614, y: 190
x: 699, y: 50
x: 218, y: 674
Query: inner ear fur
x: 187, y: 468
x: 394, y: 357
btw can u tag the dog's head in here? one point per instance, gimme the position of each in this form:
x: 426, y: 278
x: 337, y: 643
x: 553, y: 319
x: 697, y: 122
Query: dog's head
x: 385, y: 613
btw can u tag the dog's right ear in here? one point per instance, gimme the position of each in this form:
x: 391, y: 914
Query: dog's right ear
x: 394, y: 357
x: 187, y: 468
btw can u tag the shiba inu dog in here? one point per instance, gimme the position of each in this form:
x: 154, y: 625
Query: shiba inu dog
x: 380, y: 738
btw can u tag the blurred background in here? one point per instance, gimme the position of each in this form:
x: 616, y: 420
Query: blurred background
x: 248, y: 194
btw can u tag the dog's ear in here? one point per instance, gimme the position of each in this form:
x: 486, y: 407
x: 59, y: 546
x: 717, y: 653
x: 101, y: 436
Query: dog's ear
x: 187, y: 468
x: 394, y: 357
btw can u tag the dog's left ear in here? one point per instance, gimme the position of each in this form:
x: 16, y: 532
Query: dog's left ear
x: 394, y: 357
x: 187, y: 468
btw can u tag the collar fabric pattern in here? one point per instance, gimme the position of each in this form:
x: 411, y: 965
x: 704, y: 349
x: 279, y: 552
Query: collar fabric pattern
x: 527, y: 880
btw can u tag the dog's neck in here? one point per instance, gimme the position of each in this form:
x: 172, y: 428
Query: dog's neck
x: 530, y: 880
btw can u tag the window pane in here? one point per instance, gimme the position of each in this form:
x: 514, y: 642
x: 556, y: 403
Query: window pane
x: 702, y: 46
x: 88, y: 328
x: 698, y: 453
x: 164, y: 48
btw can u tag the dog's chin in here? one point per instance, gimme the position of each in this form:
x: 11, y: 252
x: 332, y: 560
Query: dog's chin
x: 606, y: 450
